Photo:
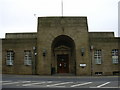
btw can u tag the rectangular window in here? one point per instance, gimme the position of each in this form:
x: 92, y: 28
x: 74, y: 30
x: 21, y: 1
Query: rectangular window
x: 10, y: 58
x: 98, y: 73
x: 27, y: 57
x: 116, y: 73
x: 98, y: 56
x: 115, y: 56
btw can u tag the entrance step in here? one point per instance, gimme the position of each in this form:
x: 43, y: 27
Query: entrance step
x: 63, y: 74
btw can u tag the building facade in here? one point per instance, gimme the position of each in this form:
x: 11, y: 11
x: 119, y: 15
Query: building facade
x: 61, y: 45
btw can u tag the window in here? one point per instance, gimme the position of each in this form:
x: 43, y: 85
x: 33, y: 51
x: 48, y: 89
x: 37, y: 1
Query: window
x: 27, y: 57
x: 116, y: 73
x: 115, y: 56
x: 98, y: 73
x: 10, y: 58
x: 98, y: 56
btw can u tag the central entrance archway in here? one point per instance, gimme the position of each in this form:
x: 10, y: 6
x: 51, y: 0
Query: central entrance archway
x: 63, y: 55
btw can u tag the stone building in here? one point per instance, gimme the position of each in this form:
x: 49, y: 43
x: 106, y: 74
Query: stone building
x: 61, y: 45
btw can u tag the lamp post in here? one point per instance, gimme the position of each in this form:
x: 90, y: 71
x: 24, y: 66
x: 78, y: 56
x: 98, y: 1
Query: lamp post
x: 34, y: 60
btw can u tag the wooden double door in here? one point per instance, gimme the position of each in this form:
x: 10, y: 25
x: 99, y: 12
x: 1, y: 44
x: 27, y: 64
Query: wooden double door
x: 63, y: 63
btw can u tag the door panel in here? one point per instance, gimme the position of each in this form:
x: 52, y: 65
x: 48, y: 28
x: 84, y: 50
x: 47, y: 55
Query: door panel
x: 62, y: 63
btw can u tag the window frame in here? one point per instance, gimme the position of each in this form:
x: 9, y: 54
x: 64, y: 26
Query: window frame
x: 27, y: 57
x: 98, y: 56
x: 10, y: 58
x: 115, y: 54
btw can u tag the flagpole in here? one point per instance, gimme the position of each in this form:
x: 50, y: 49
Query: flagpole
x: 62, y: 7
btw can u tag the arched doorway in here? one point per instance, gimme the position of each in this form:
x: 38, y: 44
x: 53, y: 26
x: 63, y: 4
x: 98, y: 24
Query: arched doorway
x: 63, y: 55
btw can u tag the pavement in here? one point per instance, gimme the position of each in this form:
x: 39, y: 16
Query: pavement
x: 36, y: 81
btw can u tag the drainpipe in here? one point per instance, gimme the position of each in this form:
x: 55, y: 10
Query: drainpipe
x: 91, y: 49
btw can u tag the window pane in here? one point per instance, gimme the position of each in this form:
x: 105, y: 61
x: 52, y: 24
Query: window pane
x: 115, y: 56
x: 27, y: 57
x: 97, y: 56
x: 10, y: 58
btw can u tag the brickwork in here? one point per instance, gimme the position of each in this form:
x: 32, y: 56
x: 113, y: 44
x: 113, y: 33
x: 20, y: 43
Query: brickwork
x: 59, y: 36
x: 18, y: 46
x: 106, y: 45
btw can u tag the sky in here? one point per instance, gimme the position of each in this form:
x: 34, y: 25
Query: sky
x: 21, y: 15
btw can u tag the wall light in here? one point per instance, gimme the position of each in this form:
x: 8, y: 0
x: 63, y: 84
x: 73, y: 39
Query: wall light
x: 44, y: 52
x: 82, y: 51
